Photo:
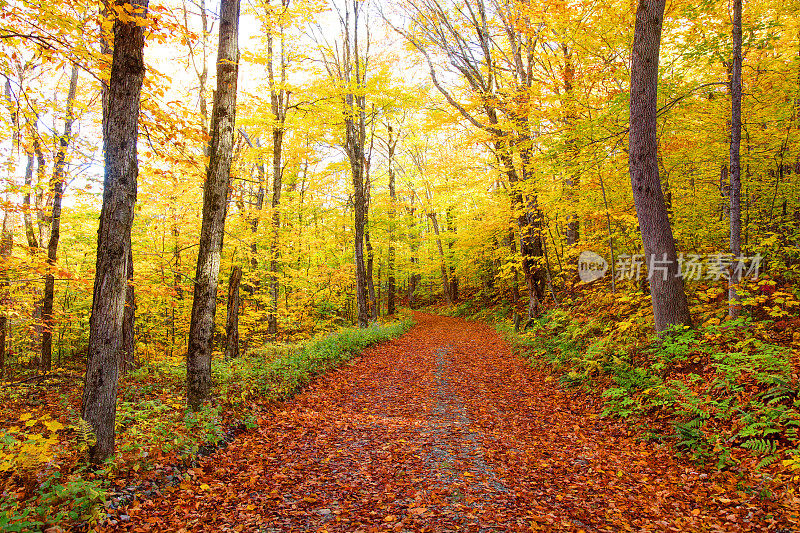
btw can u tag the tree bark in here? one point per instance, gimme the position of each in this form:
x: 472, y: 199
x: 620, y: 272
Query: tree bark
x: 274, y: 264
x: 669, y: 300
x: 347, y: 69
x: 413, y: 237
x: 6, y: 246
x: 390, y: 288
x: 570, y: 118
x: 279, y: 103
x: 127, y: 359
x: 452, y: 284
x: 442, y: 260
x: 232, y: 326
x: 373, y: 303
x: 120, y: 134
x: 57, y: 189
x: 215, y: 206
x: 30, y: 232
x: 734, y: 306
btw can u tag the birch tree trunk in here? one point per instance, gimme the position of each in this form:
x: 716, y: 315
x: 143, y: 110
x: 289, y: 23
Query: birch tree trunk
x: 120, y: 134
x: 669, y: 300
x: 215, y: 207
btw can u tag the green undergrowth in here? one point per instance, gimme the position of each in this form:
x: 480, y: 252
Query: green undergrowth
x: 719, y: 393
x: 43, y: 477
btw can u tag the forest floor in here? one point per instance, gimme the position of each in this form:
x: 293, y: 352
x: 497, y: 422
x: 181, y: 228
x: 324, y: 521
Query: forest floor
x: 445, y: 429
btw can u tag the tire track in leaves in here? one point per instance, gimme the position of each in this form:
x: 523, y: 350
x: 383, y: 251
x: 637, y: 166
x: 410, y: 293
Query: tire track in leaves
x: 444, y: 429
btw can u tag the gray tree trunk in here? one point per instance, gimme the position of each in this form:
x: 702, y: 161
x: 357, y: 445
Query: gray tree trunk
x: 120, y: 134
x: 669, y: 300
x: 734, y: 307
x: 57, y: 189
x: 215, y: 207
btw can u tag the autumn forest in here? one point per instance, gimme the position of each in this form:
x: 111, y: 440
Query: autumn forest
x: 407, y: 265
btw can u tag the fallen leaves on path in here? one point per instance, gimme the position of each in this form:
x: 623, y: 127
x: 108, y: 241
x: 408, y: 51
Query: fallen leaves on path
x: 444, y: 429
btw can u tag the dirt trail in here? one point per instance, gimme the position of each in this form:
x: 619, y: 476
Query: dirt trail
x: 444, y: 429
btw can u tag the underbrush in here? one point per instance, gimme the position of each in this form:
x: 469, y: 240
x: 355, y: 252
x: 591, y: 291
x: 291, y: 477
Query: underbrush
x: 44, y: 480
x: 722, y: 394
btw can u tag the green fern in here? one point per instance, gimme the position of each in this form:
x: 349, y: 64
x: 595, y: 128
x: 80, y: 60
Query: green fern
x: 85, y: 436
x: 760, y: 446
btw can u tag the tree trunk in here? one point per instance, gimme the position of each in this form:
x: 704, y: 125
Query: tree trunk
x: 6, y: 246
x: 274, y: 265
x: 373, y: 304
x: 669, y: 300
x: 30, y: 232
x: 414, y: 278
x: 453, y: 279
x: 120, y: 134
x: 734, y: 306
x: 279, y: 103
x: 442, y: 260
x: 57, y: 189
x: 232, y: 326
x: 390, y: 288
x: 570, y: 119
x: 215, y: 206
x: 127, y: 358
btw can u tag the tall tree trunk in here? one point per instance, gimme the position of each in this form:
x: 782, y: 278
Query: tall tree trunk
x: 512, y: 244
x: 734, y: 307
x: 452, y: 284
x: 232, y: 325
x: 274, y: 264
x: 442, y: 259
x: 6, y: 246
x: 30, y: 231
x: 413, y: 238
x: 120, y: 134
x: 529, y: 224
x: 669, y: 300
x: 391, y: 289
x: 57, y: 189
x: 215, y: 207
x: 570, y: 118
x: 373, y: 304
x: 279, y: 103
x: 127, y: 355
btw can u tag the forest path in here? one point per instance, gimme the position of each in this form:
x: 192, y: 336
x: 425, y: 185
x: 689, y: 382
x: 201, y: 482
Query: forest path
x: 444, y: 429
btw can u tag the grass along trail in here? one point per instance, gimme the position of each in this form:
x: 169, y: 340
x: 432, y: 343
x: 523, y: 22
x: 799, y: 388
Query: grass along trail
x: 444, y: 429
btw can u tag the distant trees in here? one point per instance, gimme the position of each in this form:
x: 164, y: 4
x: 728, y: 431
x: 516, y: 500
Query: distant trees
x: 500, y: 80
